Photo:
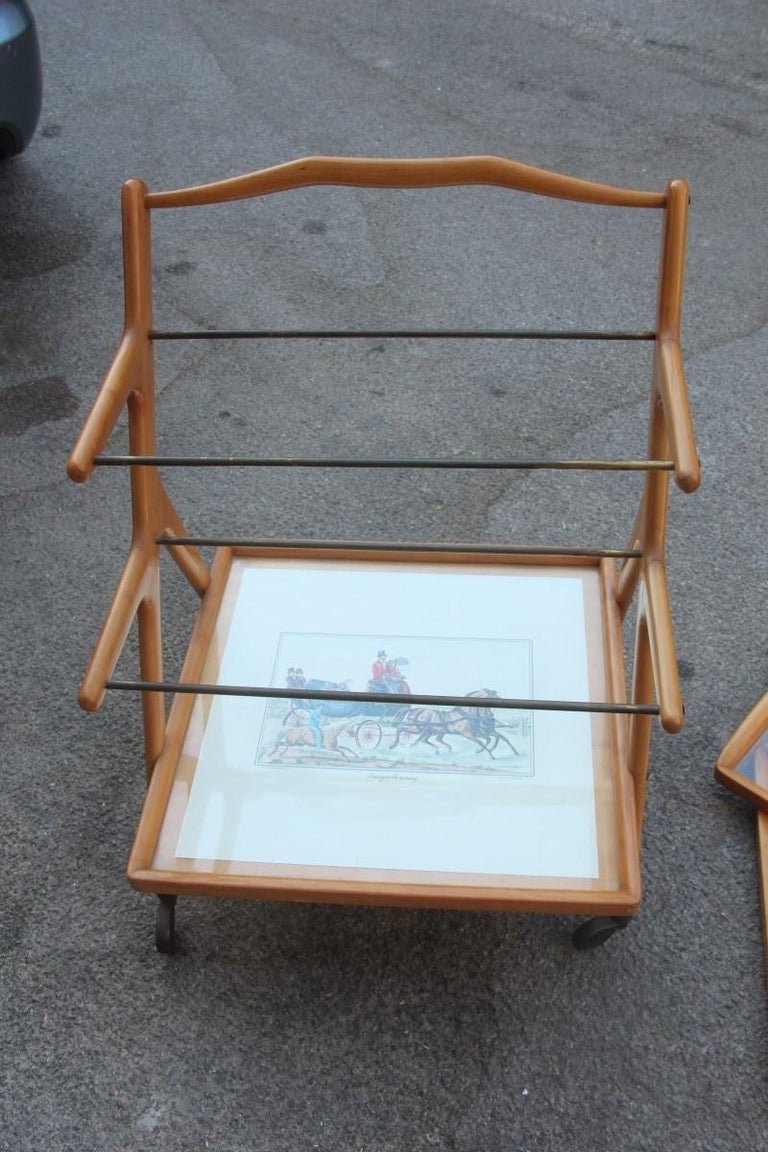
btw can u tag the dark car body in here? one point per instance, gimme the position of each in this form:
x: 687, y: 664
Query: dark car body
x: 21, y: 83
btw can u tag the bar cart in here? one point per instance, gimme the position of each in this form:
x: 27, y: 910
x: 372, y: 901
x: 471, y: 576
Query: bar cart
x: 314, y: 751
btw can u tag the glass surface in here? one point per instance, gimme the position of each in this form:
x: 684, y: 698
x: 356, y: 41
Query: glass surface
x: 452, y: 793
x: 754, y: 766
x: 743, y: 763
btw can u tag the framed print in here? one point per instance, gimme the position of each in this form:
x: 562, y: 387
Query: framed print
x: 375, y: 793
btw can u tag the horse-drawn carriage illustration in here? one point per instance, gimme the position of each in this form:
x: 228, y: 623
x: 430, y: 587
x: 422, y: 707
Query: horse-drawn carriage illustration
x: 353, y: 730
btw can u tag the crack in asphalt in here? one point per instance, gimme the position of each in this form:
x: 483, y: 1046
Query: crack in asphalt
x: 617, y: 41
x: 726, y: 342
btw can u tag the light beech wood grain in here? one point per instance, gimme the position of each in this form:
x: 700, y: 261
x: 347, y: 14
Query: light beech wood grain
x: 362, y: 172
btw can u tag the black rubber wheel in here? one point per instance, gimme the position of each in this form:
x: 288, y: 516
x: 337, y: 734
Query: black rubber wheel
x: 592, y: 933
x: 165, y: 936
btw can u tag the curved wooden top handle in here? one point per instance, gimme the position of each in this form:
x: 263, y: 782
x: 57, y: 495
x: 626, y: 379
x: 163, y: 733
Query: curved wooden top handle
x: 418, y: 173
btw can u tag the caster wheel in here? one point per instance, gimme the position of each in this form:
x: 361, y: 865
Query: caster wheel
x: 165, y: 936
x: 592, y: 933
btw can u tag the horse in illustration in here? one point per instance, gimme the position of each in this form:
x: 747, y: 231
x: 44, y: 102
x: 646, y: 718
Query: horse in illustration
x: 431, y: 725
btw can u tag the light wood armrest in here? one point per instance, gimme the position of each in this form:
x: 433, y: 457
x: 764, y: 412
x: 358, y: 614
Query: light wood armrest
x: 661, y: 639
x: 674, y: 397
x: 121, y: 379
x: 130, y: 591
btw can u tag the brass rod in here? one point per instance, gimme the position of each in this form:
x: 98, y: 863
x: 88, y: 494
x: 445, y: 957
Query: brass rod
x: 390, y: 546
x: 374, y: 462
x: 381, y: 698
x: 397, y: 334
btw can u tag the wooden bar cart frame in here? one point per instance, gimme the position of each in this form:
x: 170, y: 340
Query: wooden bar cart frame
x: 612, y: 578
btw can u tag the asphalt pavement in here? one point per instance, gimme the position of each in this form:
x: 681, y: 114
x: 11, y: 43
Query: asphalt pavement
x: 284, y: 1027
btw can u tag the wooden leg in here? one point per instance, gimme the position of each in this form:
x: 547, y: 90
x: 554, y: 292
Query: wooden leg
x: 640, y: 726
x: 185, y: 556
x: 151, y: 663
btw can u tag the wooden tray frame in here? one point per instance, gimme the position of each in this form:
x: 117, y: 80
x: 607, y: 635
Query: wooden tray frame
x: 617, y: 820
x: 157, y: 526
